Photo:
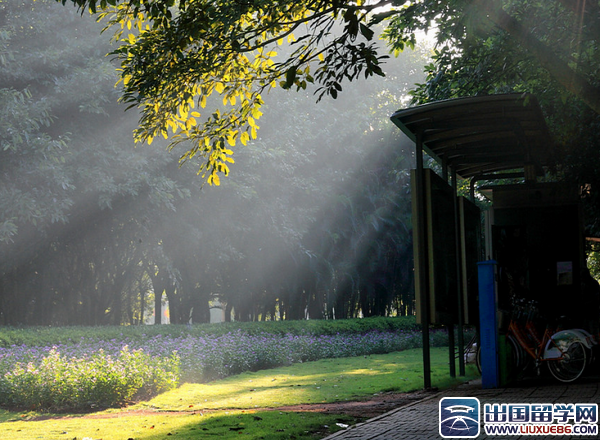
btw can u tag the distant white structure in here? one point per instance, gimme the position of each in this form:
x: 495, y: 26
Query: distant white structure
x: 217, y: 311
x: 164, y: 313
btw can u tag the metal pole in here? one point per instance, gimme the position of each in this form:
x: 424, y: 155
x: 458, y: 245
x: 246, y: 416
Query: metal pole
x: 423, y: 259
x: 451, y: 345
x: 459, y: 278
x: 451, y: 342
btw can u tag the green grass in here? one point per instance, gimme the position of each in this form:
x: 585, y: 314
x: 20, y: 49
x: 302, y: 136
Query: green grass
x: 328, y: 380
x: 235, y: 407
x: 230, y: 424
x: 42, y: 336
x: 273, y: 425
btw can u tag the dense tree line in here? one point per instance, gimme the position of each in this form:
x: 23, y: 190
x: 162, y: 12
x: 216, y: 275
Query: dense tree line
x: 315, y: 223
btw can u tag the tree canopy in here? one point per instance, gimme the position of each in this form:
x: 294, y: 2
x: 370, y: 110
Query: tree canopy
x: 176, y: 57
x: 199, y: 70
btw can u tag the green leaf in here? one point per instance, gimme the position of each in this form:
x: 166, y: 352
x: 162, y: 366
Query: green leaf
x: 290, y: 77
x: 366, y: 31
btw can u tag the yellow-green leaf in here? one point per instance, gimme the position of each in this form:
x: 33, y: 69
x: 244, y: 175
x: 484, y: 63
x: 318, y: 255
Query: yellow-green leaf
x: 245, y: 138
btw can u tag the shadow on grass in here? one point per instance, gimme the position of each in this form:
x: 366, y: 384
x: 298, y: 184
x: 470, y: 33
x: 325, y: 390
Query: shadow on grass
x: 272, y: 425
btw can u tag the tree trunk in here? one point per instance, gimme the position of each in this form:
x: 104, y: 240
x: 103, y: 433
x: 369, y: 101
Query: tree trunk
x: 158, y: 306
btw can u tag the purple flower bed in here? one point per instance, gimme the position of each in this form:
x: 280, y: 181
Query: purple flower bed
x: 100, y: 372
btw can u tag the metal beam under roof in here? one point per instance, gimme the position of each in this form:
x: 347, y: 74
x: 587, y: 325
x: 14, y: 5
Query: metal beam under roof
x: 482, y: 134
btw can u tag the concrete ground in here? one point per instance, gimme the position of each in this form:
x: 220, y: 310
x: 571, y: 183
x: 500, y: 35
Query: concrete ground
x: 420, y: 420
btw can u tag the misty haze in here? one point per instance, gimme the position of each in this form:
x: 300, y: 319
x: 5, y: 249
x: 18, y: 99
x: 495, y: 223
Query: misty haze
x: 313, y: 221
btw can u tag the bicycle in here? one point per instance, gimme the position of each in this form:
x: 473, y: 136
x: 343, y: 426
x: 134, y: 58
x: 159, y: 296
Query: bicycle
x: 566, y: 353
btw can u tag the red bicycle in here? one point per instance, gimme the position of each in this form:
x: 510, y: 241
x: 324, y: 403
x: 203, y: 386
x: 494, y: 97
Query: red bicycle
x: 566, y: 353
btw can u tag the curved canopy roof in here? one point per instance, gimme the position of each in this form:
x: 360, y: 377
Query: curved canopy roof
x: 480, y: 135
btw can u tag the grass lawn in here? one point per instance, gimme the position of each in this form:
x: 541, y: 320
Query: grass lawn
x: 235, y: 407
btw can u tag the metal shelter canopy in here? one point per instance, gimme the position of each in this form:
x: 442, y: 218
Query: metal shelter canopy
x: 481, y: 138
x: 480, y: 135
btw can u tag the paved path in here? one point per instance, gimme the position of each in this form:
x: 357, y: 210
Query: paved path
x: 420, y: 420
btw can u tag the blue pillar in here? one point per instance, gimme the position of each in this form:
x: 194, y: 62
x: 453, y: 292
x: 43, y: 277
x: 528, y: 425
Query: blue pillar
x: 488, y: 309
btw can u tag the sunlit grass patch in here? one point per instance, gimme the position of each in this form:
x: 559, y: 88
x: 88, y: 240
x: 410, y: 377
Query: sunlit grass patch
x: 328, y: 380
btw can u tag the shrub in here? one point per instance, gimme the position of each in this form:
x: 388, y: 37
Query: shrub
x: 94, y: 379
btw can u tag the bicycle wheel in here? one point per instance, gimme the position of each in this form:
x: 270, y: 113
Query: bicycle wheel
x: 572, y: 364
x: 515, y: 359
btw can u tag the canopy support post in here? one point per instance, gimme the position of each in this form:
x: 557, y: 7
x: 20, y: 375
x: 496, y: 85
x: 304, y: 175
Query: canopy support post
x: 459, y: 277
x: 423, y: 259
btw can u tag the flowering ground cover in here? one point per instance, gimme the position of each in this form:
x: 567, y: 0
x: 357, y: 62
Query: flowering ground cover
x: 94, y: 371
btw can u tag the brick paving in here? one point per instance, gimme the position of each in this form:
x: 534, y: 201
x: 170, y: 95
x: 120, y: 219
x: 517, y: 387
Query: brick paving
x: 419, y: 420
